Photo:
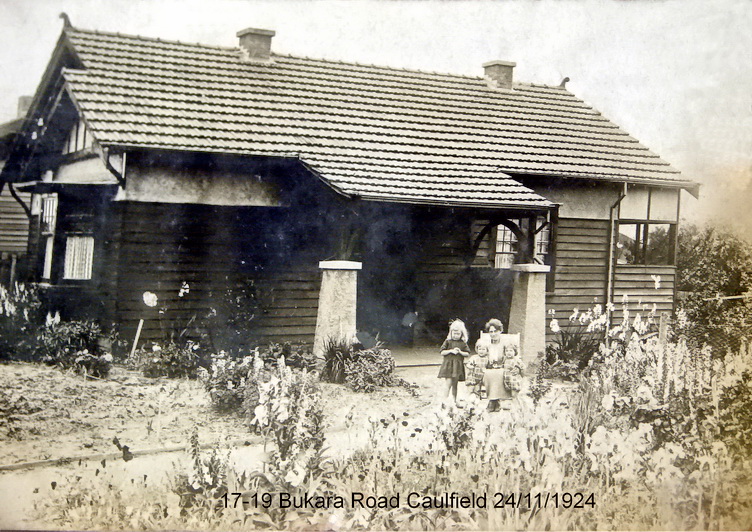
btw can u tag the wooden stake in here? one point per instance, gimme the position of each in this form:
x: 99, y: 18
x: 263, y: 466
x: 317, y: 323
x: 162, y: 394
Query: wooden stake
x: 138, y: 335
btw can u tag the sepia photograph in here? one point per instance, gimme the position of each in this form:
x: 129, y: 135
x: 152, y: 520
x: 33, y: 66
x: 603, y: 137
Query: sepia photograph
x: 375, y: 265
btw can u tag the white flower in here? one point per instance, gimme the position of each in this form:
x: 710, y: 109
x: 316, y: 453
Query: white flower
x: 554, y: 326
x: 156, y: 348
x: 150, y: 299
x: 260, y: 414
x: 53, y: 320
x: 107, y: 357
x: 184, y: 289
x: 656, y: 280
x: 574, y: 315
x: 295, y: 476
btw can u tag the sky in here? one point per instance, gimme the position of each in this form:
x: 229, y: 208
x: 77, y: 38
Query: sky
x: 677, y: 75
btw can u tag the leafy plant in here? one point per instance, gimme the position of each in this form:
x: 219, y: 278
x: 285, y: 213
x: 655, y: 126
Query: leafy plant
x: 371, y: 369
x: 170, y: 360
x: 20, y: 317
x: 296, y: 355
x: 713, y: 263
x: 577, y: 340
x: 73, y: 345
x: 540, y: 386
x: 226, y: 381
x: 336, y: 355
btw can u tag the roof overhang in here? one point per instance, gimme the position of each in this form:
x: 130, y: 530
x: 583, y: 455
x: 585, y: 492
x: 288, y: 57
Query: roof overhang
x: 692, y: 187
x: 46, y: 187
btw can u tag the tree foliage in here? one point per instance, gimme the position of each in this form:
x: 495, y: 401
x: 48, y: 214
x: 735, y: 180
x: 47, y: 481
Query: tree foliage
x: 714, y: 263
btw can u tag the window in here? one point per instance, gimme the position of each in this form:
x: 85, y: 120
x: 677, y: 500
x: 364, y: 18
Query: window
x: 79, y: 256
x: 47, y: 230
x: 507, y: 246
x: 79, y: 138
x: 645, y: 243
x: 647, y: 227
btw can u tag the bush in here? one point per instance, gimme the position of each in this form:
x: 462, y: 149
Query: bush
x: 297, y: 356
x: 577, y: 340
x: 226, y: 381
x: 20, y: 317
x: 73, y: 345
x: 170, y: 360
x: 735, y: 406
x: 231, y: 381
x: 370, y: 369
x: 336, y: 355
x: 713, y: 263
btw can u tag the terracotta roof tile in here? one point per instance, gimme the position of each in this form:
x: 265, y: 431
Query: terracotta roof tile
x: 369, y: 131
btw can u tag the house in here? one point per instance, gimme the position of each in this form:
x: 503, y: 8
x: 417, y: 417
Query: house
x: 161, y: 163
x: 14, y: 222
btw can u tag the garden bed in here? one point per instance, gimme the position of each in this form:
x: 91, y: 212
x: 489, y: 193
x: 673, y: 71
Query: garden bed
x: 51, y: 415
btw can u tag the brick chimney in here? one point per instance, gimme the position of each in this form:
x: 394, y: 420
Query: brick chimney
x: 255, y: 44
x: 24, y: 102
x: 498, y: 74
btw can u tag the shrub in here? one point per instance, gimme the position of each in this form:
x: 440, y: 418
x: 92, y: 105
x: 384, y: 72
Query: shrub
x: 735, y: 405
x: 231, y: 381
x: 73, y: 345
x: 226, y: 381
x: 170, y: 360
x: 20, y: 317
x: 578, y: 339
x: 336, y: 355
x: 296, y: 355
x: 370, y: 369
x: 713, y: 263
x: 364, y: 370
x: 288, y: 414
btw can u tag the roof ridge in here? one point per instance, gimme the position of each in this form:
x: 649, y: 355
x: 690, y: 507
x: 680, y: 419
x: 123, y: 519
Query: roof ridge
x: 373, y: 65
x: 150, y: 39
x: 74, y: 29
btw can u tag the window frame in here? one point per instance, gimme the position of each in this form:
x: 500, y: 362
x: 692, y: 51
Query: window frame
x: 643, y: 232
x: 50, y: 204
x: 512, y: 243
x: 85, y: 252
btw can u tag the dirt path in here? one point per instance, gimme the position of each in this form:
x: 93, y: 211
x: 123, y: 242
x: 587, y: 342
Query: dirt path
x: 45, y: 413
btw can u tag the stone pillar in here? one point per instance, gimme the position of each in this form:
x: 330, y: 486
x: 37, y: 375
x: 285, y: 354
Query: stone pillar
x: 337, y: 303
x: 527, y: 314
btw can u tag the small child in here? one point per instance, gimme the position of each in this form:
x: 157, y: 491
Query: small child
x: 476, y: 367
x: 454, y: 350
x: 512, y: 373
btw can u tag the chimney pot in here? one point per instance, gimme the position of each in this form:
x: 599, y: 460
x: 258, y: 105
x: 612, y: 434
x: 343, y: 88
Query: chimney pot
x: 499, y: 74
x: 255, y: 44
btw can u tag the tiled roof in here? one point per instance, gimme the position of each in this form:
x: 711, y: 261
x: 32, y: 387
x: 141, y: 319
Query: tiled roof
x: 374, y: 132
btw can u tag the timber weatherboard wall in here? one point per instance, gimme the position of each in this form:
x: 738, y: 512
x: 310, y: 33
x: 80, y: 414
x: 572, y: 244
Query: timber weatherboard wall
x: 161, y: 246
x: 14, y: 225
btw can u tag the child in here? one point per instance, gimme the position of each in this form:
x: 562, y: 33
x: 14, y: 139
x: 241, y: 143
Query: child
x: 476, y: 367
x: 454, y: 350
x: 512, y: 373
x: 502, y: 377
